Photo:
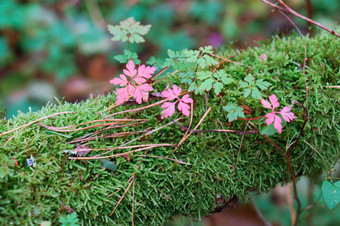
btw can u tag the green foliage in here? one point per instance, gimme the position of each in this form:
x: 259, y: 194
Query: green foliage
x: 331, y: 193
x: 234, y: 111
x: 129, y: 31
x: 250, y: 86
x: 69, y: 220
x: 128, y: 55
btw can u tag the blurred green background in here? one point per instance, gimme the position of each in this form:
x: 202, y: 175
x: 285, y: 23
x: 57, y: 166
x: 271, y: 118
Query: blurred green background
x: 61, y: 48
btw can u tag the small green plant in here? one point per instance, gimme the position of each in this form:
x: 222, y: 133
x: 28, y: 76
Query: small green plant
x: 69, y: 220
x: 129, y: 30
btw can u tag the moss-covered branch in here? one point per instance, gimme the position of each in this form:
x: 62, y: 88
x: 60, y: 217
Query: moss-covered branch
x: 164, y: 187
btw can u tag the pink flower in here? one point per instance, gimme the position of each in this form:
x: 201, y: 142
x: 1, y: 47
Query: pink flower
x: 286, y: 113
x: 135, y: 86
x: 183, y: 105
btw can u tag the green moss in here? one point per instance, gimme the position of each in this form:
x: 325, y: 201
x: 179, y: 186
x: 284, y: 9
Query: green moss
x: 164, y: 188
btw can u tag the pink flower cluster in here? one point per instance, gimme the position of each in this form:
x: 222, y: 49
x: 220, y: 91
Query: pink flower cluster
x: 183, y: 105
x: 137, y: 88
x: 286, y: 113
x: 136, y: 85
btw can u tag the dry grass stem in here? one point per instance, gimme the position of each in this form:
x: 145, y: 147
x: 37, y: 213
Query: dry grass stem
x: 35, y: 121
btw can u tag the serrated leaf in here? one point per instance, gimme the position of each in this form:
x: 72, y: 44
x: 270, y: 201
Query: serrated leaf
x: 192, y: 87
x: 129, y: 30
x: 206, y: 49
x: 206, y: 85
x: 250, y: 79
x: 121, y: 58
x: 243, y: 84
x: 234, y: 111
x: 262, y: 84
x: 256, y: 93
x: 331, y: 193
x: 218, y: 87
x: 108, y: 165
x: 246, y: 92
x: 209, y: 61
x: 202, y: 75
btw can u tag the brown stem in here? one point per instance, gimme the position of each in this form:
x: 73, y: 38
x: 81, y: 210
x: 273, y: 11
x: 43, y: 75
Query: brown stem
x: 310, y: 16
x: 296, y: 197
x: 288, y: 9
x: 302, y: 128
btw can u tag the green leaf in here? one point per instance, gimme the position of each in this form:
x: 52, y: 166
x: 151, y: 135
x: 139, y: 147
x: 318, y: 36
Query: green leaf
x: 262, y: 84
x: 247, y: 92
x: 207, y: 49
x: 69, y: 220
x: 269, y: 130
x: 108, y: 165
x: 129, y: 30
x: 202, y: 75
x: 243, y: 84
x: 331, y: 193
x: 192, y: 87
x: 234, y: 111
x: 206, y: 85
x: 218, y: 87
x: 250, y: 79
x: 256, y: 93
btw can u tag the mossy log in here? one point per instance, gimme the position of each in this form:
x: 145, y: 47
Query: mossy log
x: 164, y: 187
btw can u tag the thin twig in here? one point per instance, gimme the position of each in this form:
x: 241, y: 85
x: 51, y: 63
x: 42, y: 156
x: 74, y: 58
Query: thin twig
x: 253, y: 131
x: 137, y: 109
x: 287, y: 8
x: 296, y: 197
x: 337, y: 87
x: 73, y: 130
x: 35, y: 121
x: 117, y: 148
x: 120, y: 154
x: 121, y: 134
x: 199, y: 123
x: 120, y: 200
x: 304, y: 59
x: 133, y: 202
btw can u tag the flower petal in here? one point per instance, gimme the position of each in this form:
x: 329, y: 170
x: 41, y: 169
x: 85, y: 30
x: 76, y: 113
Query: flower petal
x: 169, y: 94
x: 122, y: 95
x: 177, y: 90
x: 169, y: 109
x: 186, y: 99
x: 142, y: 93
x: 277, y: 123
x: 184, y: 108
x: 274, y: 101
x: 286, y: 113
x: 266, y: 104
x: 270, y: 118
x: 131, y: 71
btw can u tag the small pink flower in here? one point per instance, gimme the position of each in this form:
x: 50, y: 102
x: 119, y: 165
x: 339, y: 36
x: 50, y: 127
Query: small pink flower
x: 135, y: 86
x: 286, y: 113
x: 183, y: 104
